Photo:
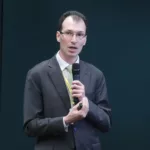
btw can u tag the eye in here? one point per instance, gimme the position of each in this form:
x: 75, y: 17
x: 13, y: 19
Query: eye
x: 68, y: 33
x: 80, y: 34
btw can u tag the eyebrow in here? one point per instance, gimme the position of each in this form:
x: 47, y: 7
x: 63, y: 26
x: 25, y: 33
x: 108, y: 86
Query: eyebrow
x: 77, y: 31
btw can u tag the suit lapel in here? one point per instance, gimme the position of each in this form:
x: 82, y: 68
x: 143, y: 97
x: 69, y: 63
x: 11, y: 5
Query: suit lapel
x: 56, y: 76
x: 84, y: 74
x: 58, y: 81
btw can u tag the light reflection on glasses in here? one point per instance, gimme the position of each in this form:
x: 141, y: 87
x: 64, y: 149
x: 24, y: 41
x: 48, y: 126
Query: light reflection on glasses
x: 70, y: 34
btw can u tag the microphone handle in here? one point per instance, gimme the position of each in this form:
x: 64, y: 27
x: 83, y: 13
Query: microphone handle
x: 76, y: 77
x: 76, y: 100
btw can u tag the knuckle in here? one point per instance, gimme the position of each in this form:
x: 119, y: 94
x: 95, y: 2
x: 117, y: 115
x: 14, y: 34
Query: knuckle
x: 84, y: 115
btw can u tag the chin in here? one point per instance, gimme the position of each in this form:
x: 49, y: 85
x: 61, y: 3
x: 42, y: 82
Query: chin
x: 72, y: 54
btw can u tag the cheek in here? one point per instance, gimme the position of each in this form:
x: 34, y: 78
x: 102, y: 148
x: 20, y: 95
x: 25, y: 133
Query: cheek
x: 82, y: 44
x: 64, y: 42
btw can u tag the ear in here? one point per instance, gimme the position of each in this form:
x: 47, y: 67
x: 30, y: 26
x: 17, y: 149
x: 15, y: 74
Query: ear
x: 58, y: 36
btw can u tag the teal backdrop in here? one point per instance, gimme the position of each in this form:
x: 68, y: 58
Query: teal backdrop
x: 118, y: 44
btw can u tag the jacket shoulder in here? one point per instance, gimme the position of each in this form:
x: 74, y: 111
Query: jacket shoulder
x: 37, y: 70
x: 92, y: 68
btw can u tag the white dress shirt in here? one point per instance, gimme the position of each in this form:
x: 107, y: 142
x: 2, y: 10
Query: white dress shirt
x: 63, y: 64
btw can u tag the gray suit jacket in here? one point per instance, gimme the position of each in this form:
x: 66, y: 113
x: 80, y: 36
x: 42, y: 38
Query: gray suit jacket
x: 46, y: 101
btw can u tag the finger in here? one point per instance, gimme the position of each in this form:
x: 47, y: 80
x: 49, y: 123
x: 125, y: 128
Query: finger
x: 77, y: 82
x: 75, y: 86
x: 75, y: 106
x: 77, y: 95
x: 77, y: 91
x: 85, y: 101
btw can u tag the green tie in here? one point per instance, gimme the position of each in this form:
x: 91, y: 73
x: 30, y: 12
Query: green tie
x: 67, y: 72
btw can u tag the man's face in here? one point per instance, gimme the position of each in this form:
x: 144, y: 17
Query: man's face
x: 72, y: 37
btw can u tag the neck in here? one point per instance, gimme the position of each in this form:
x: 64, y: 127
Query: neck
x: 69, y: 60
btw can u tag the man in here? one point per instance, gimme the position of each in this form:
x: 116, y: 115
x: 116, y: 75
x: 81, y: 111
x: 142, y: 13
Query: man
x: 50, y: 114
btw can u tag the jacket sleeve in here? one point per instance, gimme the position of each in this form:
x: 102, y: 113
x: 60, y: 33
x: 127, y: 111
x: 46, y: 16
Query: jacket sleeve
x: 99, y: 110
x: 35, y: 124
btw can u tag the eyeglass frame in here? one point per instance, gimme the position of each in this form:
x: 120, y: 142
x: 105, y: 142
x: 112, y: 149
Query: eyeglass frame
x: 72, y: 34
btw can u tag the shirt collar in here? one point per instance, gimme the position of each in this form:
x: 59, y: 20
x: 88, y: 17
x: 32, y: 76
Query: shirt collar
x: 63, y: 64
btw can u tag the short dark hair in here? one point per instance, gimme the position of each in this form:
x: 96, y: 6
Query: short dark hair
x: 75, y: 15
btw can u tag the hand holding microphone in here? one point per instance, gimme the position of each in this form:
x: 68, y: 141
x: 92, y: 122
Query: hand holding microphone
x: 81, y: 107
x: 78, y: 90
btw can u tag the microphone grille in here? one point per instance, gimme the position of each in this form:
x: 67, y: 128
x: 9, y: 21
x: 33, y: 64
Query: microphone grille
x: 76, y: 68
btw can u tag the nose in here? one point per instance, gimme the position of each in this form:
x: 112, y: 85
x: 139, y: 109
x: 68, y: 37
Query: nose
x: 74, y: 39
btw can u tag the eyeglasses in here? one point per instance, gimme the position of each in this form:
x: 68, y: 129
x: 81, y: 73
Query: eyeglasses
x: 70, y: 34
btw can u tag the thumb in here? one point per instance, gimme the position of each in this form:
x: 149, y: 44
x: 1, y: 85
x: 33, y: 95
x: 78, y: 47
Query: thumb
x: 75, y: 107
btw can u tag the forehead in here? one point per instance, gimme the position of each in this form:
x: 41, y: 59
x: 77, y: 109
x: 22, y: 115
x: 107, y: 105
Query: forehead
x: 75, y: 25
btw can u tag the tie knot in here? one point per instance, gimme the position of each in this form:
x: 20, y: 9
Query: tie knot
x: 69, y: 68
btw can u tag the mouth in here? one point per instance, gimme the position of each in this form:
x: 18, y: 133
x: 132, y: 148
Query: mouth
x: 73, y: 48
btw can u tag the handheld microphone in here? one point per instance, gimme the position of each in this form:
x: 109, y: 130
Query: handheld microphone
x: 76, y: 76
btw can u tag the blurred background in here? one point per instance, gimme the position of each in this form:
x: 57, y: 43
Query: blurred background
x: 118, y: 44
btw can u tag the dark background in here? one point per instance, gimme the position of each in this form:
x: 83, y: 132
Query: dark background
x: 118, y: 44
x: 1, y: 34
